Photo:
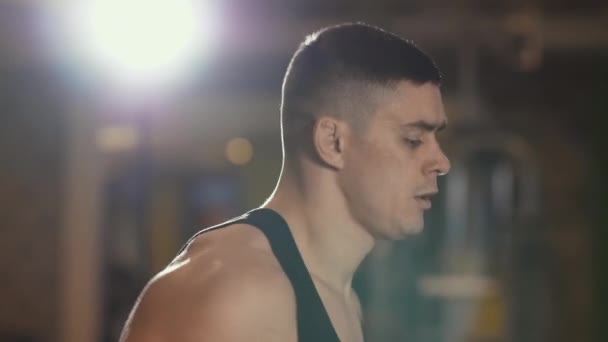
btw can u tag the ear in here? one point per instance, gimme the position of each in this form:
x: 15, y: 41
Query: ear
x: 329, y: 140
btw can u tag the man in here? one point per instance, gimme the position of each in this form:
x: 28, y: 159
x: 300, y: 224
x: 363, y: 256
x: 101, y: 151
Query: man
x: 360, y: 111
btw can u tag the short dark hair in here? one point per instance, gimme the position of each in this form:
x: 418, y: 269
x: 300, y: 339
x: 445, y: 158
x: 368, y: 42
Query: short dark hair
x: 336, y: 68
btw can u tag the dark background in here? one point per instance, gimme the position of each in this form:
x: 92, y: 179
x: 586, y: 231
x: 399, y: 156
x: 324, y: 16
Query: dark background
x: 518, y: 256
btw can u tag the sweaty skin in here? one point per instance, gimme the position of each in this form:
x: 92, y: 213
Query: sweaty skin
x: 228, y: 286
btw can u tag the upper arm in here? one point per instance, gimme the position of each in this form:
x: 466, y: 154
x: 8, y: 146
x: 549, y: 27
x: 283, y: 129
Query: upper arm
x: 228, y: 305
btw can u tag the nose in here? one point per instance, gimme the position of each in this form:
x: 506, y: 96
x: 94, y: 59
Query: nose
x: 443, y: 165
x: 440, y: 164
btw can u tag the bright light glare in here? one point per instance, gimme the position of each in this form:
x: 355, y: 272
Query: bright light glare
x: 142, y: 41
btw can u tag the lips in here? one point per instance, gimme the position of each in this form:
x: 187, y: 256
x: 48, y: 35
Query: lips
x: 424, y: 201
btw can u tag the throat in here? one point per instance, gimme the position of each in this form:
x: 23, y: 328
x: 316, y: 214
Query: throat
x: 330, y: 241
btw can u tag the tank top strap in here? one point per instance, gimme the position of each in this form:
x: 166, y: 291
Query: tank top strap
x: 314, y: 324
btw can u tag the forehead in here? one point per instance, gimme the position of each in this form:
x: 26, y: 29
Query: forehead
x: 410, y: 103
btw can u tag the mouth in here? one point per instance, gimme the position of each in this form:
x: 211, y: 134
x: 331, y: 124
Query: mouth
x: 425, y: 200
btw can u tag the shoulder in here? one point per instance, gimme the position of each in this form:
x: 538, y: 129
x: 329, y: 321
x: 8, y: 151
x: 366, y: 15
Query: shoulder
x: 221, y: 288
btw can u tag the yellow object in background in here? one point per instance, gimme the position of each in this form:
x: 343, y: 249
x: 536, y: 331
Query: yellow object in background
x: 490, y: 322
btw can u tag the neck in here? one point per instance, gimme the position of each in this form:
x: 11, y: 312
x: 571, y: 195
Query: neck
x: 331, y: 242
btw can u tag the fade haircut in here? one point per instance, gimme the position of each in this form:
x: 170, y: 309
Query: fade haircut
x: 338, y: 69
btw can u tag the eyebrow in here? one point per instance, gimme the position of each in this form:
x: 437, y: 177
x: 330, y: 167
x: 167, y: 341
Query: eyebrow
x: 427, y: 126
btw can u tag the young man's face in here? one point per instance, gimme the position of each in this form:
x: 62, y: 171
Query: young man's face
x: 396, y: 159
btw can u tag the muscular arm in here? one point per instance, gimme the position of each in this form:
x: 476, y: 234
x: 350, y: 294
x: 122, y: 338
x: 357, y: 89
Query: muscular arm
x: 251, y: 303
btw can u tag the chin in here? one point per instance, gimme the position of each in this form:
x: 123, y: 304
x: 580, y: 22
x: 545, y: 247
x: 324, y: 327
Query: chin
x: 404, y: 231
x: 412, y: 228
x: 417, y: 230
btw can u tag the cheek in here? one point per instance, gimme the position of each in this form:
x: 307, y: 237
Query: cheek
x: 382, y: 172
x: 381, y: 167
x: 385, y: 181
x: 390, y: 169
x: 368, y: 179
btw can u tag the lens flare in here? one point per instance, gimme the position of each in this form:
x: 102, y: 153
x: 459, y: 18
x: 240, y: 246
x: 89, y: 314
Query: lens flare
x: 142, y: 41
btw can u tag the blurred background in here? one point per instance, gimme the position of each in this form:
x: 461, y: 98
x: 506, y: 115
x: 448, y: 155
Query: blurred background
x: 126, y: 126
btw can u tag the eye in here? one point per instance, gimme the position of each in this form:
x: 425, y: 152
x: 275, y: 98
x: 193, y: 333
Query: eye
x: 413, y: 142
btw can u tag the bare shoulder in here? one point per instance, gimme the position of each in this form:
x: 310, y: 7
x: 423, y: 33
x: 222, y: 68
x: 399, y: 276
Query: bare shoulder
x: 224, y: 287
